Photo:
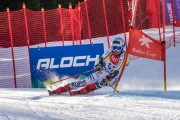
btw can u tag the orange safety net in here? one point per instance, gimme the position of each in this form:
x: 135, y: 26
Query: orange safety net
x: 34, y: 27
x: 97, y: 21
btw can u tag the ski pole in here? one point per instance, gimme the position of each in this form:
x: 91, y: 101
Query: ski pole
x: 123, y: 67
x: 72, y: 76
x: 114, y: 89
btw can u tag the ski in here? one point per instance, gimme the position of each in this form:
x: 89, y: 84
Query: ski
x: 73, y: 93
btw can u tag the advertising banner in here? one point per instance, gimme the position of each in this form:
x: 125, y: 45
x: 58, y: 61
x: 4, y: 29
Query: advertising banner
x: 62, y: 61
x: 177, y: 12
x: 169, y: 11
x: 142, y: 45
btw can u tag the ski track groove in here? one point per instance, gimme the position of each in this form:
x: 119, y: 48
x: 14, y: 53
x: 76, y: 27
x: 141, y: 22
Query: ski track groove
x: 38, y: 116
x: 6, y: 116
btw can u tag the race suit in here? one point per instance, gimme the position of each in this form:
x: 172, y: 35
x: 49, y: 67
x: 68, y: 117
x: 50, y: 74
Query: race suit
x: 111, y: 63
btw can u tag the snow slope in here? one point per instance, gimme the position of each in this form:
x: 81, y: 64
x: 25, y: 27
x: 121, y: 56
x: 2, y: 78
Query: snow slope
x: 141, y: 97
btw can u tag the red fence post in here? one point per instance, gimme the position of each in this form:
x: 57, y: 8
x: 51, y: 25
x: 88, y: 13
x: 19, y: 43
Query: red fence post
x: 105, y: 19
x: 61, y: 22
x: 71, y: 20
x: 26, y: 25
x: 79, y: 22
x: 12, y: 46
x: 44, y: 26
x: 87, y: 16
x: 27, y: 31
x: 124, y: 27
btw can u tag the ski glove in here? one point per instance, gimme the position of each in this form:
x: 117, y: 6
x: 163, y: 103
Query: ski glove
x: 99, y: 66
x: 104, y: 82
x: 112, y: 75
x: 109, y: 77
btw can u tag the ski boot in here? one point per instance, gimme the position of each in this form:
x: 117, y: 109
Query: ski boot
x: 51, y: 92
x: 60, y: 90
x: 84, y: 90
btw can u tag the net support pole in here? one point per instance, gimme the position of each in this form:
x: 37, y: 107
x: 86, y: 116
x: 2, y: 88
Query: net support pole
x: 61, y: 22
x: 27, y: 32
x: 44, y: 27
x: 79, y: 22
x: 105, y: 20
x: 26, y: 24
x: 12, y: 46
x: 71, y: 20
x: 87, y: 17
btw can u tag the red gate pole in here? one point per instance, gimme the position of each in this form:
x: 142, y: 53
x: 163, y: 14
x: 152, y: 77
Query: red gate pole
x: 61, y: 21
x: 44, y: 26
x: 87, y: 16
x: 71, y: 19
x: 105, y: 19
x: 126, y: 55
x: 79, y: 22
x: 12, y: 46
x: 163, y: 20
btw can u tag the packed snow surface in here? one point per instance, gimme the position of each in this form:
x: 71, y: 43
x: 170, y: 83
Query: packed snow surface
x: 141, y: 97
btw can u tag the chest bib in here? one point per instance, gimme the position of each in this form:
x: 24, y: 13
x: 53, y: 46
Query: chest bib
x: 114, y: 59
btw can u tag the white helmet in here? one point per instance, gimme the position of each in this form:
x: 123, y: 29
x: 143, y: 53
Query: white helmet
x: 118, y: 44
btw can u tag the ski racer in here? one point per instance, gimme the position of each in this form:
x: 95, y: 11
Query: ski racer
x: 106, y: 74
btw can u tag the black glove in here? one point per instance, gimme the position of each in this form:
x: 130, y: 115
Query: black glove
x: 99, y: 66
x: 109, y: 77
x: 104, y: 82
x: 112, y: 75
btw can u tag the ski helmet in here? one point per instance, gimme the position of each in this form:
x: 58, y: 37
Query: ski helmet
x: 118, y: 44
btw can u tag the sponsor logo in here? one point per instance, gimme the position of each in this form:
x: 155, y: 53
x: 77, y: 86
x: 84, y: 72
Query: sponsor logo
x: 142, y: 52
x: 114, y: 59
x: 66, y: 62
x: 145, y: 41
x: 169, y: 7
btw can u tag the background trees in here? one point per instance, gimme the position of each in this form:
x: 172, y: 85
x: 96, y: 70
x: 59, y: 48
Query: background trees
x: 36, y: 4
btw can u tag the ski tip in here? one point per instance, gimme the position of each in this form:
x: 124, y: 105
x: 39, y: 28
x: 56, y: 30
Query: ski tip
x: 51, y: 92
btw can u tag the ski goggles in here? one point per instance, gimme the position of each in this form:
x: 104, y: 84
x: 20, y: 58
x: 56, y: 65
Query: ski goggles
x: 118, y: 48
